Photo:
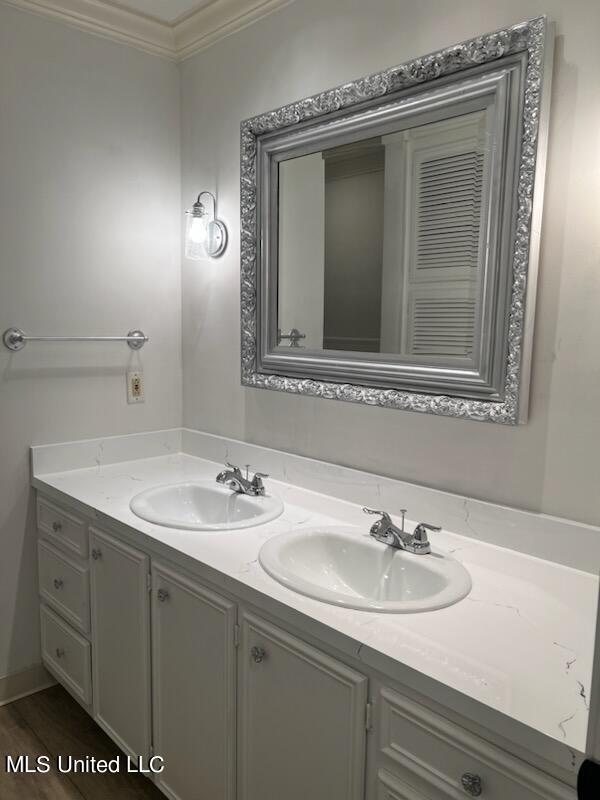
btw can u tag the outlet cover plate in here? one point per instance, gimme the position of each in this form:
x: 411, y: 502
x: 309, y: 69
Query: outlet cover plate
x: 135, y: 387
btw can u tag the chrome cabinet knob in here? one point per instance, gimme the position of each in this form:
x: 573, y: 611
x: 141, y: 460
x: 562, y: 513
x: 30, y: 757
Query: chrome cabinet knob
x: 58, y: 583
x: 56, y: 527
x: 162, y: 595
x: 258, y: 654
x: 96, y: 554
x: 471, y: 784
x: 60, y: 652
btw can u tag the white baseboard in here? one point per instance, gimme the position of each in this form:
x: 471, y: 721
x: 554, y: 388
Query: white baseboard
x: 20, y: 684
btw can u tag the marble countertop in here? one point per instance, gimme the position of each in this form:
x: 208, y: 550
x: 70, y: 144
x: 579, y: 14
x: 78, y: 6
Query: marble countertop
x: 520, y: 643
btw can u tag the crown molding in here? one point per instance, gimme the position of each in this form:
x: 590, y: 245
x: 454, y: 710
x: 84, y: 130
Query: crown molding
x: 110, y: 22
x: 218, y: 20
x: 176, y: 41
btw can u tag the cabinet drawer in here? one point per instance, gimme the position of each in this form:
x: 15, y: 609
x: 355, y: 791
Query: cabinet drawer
x: 67, y: 655
x: 64, y: 529
x: 64, y: 585
x: 390, y: 788
x: 441, y: 760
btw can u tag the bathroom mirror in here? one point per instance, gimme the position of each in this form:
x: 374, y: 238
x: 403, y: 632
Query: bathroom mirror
x: 389, y: 233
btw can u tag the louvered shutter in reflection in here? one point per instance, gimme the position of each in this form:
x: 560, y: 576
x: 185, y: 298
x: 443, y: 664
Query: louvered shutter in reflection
x: 446, y: 247
x: 449, y: 211
x: 442, y: 325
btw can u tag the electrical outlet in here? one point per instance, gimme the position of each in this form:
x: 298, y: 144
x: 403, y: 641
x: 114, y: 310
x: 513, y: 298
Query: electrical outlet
x: 135, y: 387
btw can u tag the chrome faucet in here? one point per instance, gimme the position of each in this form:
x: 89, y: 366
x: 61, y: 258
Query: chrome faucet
x: 386, y: 532
x: 234, y: 479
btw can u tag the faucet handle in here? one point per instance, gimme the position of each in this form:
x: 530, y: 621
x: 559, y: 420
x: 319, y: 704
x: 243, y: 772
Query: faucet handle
x: 383, y: 514
x: 236, y: 470
x: 379, y: 528
x: 257, y: 483
x: 258, y: 476
x: 420, y: 534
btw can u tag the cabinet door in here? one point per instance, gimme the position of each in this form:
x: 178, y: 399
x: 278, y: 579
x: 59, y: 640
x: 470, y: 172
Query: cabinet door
x: 301, y: 719
x: 193, y: 665
x: 120, y: 642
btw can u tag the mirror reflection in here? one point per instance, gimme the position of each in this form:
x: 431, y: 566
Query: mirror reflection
x: 381, y: 245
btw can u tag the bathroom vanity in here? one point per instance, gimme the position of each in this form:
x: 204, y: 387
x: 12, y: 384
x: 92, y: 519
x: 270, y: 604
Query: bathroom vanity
x: 181, y: 646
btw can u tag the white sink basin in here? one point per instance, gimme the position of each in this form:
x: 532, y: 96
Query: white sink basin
x: 204, y: 506
x: 348, y: 569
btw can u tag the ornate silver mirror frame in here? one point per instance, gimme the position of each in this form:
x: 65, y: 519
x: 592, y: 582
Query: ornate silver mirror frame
x: 499, y: 391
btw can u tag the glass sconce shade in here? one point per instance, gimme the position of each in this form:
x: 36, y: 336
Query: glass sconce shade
x: 205, y: 235
x: 196, y: 232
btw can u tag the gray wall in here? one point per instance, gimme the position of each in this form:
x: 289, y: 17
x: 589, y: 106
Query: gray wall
x: 552, y: 463
x: 89, y: 233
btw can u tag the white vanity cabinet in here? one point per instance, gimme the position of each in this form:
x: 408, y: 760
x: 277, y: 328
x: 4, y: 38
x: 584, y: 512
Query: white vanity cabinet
x: 121, y: 642
x: 239, y: 707
x: 193, y: 671
x: 302, y: 719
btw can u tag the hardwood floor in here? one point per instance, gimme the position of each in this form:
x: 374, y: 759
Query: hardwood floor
x: 51, y: 723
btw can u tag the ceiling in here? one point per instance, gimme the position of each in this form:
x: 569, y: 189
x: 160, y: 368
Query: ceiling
x: 168, y: 11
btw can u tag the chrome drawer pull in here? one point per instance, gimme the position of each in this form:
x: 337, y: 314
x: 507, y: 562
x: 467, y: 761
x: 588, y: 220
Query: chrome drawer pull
x: 258, y: 654
x: 60, y: 652
x: 96, y: 554
x: 56, y: 527
x: 162, y: 595
x: 58, y: 583
x: 471, y: 784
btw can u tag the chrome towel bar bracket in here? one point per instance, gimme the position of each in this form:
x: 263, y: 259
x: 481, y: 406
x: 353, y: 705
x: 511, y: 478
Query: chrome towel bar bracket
x: 14, y: 339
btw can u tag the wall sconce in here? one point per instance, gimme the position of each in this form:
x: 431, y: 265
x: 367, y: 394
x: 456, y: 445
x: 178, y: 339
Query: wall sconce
x: 205, y: 235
